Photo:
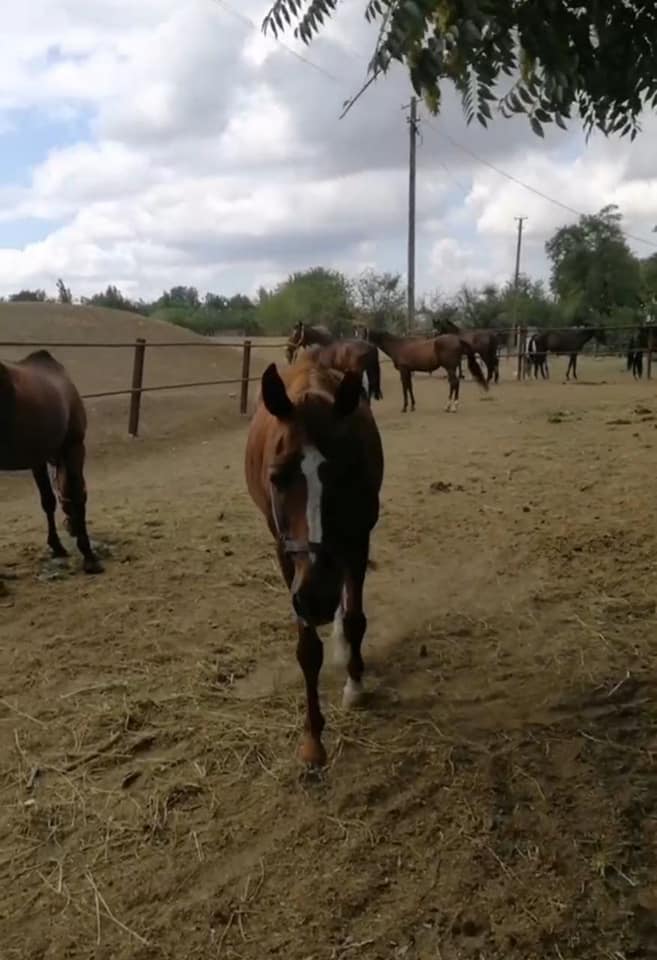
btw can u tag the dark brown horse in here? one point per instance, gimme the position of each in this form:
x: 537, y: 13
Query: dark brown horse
x: 305, y: 335
x: 484, y: 342
x: 416, y: 354
x: 349, y: 355
x: 43, y: 423
x: 570, y: 341
x: 314, y: 468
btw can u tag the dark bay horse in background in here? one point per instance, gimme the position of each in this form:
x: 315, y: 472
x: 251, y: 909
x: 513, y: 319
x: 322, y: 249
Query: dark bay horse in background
x: 348, y: 355
x: 416, y: 354
x: 43, y: 423
x: 569, y: 341
x: 314, y: 468
x: 484, y: 342
x: 640, y: 342
x: 305, y: 335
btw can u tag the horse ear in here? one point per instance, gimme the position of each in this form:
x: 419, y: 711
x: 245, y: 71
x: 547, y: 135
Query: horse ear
x: 347, y: 396
x: 274, y: 394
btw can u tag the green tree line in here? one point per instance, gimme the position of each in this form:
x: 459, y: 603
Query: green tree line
x: 594, y: 279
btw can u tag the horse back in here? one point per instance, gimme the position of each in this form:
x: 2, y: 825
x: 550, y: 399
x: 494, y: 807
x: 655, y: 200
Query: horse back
x: 44, y: 412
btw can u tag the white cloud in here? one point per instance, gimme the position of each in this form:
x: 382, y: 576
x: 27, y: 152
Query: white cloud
x: 218, y: 158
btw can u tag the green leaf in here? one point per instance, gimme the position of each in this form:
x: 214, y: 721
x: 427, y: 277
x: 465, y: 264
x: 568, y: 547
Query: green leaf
x: 536, y: 127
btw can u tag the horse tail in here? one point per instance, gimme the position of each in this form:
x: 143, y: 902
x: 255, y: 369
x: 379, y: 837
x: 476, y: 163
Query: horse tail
x: 374, y: 375
x: 473, y: 365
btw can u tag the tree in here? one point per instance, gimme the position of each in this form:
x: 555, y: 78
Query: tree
x: 112, y: 297
x: 180, y: 297
x: 64, y: 294
x: 381, y: 297
x: 597, y: 59
x: 29, y: 296
x: 648, y: 275
x: 316, y: 296
x: 594, y: 272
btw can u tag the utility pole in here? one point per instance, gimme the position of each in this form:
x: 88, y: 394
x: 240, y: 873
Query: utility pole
x: 516, y: 278
x: 518, y: 248
x: 413, y: 128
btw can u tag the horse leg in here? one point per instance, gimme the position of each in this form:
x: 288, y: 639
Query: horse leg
x: 49, y: 505
x: 454, y: 384
x: 349, y: 628
x: 73, y: 496
x: 310, y: 655
x: 403, y: 376
x: 410, y: 389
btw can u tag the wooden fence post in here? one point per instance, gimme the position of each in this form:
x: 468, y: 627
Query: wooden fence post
x: 137, y: 383
x: 246, y: 372
x: 522, y: 338
x: 650, y: 349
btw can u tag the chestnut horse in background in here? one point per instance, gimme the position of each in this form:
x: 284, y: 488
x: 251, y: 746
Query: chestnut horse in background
x: 314, y: 468
x: 411, y: 354
x: 348, y: 355
x: 43, y: 423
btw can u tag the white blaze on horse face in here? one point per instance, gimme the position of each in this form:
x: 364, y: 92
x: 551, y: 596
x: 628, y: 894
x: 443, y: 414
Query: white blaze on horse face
x: 311, y: 461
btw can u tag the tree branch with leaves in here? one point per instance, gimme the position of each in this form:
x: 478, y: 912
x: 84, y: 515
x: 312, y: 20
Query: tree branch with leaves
x: 596, y: 59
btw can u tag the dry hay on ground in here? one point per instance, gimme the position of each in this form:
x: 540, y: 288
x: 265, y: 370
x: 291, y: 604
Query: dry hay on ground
x: 496, y: 797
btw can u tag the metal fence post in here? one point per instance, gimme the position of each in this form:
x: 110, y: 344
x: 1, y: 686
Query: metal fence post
x: 246, y: 372
x: 137, y: 383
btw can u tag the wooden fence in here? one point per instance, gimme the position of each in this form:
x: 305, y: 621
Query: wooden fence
x: 515, y: 337
x: 137, y: 388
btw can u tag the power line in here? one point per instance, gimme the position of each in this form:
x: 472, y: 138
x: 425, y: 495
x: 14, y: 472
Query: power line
x: 295, y: 53
x: 527, y: 186
x: 442, y: 133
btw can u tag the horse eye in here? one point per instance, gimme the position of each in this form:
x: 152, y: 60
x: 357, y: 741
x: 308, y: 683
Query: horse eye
x: 278, y: 480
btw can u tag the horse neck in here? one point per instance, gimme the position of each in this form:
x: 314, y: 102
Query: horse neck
x: 387, y: 342
x: 313, y: 335
x: 583, y: 336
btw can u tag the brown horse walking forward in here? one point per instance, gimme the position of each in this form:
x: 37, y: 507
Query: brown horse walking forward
x: 43, y: 422
x: 348, y: 355
x: 411, y: 354
x: 314, y: 468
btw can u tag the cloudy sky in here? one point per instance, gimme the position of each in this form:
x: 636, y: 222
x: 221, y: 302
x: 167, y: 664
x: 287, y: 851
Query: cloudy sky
x: 167, y: 141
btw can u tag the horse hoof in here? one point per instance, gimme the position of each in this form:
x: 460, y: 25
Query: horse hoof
x: 352, y: 695
x: 312, y: 752
x: 92, y: 565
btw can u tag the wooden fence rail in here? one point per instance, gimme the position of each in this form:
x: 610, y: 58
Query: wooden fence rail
x: 518, y: 349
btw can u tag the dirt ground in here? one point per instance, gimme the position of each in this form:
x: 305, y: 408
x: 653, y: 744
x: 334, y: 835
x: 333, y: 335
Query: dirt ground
x: 495, y: 798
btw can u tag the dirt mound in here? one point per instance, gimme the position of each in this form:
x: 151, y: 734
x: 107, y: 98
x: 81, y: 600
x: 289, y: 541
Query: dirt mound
x: 98, y: 369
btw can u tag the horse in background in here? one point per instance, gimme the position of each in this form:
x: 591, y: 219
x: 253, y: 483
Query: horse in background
x: 348, y: 355
x: 305, y: 335
x: 640, y: 342
x: 483, y: 341
x: 570, y: 342
x: 424, y: 355
x: 314, y: 468
x: 43, y: 423
x: 537, y: 359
